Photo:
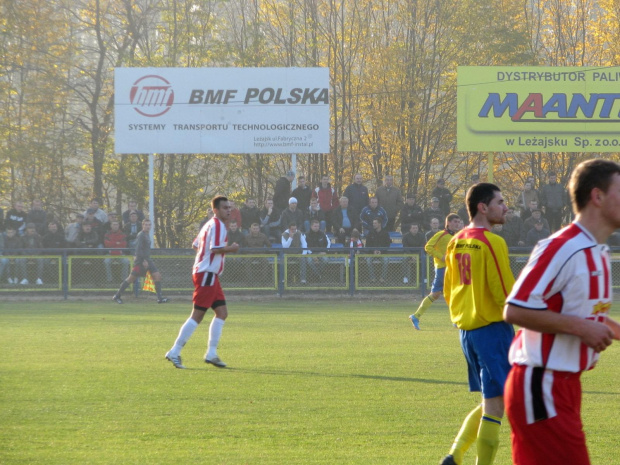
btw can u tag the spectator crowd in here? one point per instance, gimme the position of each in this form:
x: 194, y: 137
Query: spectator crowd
x: 304, y: 217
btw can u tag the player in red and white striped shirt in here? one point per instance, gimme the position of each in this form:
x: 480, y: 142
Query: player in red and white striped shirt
x: 210, y: 246
x: 561, y: 301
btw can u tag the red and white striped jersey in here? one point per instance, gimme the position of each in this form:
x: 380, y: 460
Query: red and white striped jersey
x: 568, y: 273
x: 213, y: 235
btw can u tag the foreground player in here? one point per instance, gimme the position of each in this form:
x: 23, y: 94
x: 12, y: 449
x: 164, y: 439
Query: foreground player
x: 210, y: 246
x: 561, y: 301
x: 477, y: 282
x: 436, y: 247
x: 141, y: 264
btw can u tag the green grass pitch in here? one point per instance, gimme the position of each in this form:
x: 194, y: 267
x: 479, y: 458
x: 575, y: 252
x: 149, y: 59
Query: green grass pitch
x: 309, y: 382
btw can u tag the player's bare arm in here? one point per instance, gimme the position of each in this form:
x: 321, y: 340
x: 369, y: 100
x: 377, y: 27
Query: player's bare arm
x: 232, y: 248
x: 596, y: 335
x: 615, y: 327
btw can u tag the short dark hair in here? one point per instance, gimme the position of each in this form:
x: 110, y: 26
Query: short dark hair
x: 292, y: 224
x: 482, y: 192
x: 146, y: 220
x: 450, y: 217
x: 589, y: 175
x: 314, y: 221
x: 215, y: 203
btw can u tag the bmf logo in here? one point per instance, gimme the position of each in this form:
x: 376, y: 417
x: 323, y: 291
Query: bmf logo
x: 151, y: 96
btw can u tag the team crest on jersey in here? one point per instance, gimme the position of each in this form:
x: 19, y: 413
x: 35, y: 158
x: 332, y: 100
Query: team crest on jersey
x: 601, y: 307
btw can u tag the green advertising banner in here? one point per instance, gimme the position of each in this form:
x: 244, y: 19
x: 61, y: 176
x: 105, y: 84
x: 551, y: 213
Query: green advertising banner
x: 538, y: 109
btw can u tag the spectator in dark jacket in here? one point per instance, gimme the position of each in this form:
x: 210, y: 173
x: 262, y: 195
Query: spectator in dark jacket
x: 357, y: 193
x: 302, y: 193
x: 377, y: 237
x: 96, y: 226
x: 316, y: 239
x: 282, y: 191
x: 433, y: 212
x: 410, y: 213
x: 371, y: 212
x: 444, y: 195
x: 38, y: 216
x: 235, y: 235
x: 34, y: 243
x: 513, y: 229
x: 313, y: 212
x: 249, y: 214
x: 270, y: 220
x: 414, y: 237
x: 132, y: 207
x: 88, y: 239
x: 292, y: 214
x: 16, y: 218
x: 537, y: 233
x: 54, y: 239
x: 553, y: 199
x: 345, y: 220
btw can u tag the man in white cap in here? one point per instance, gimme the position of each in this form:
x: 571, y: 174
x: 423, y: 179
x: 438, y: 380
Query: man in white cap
x: 292, y: 214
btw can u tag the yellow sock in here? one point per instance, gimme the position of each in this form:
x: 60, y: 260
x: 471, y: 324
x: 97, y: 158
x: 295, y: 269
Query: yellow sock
x: 488, y: 439
x: 426, y: 302
x: 467, y: 434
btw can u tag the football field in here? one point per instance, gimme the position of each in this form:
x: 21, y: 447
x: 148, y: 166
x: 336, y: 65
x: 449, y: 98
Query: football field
x: 309, y: 382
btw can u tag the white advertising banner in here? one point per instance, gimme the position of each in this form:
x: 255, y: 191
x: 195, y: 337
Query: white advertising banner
x: 221, y: 110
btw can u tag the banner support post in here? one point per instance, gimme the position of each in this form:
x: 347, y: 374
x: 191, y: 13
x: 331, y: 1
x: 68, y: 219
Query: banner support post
x: 152, y: 196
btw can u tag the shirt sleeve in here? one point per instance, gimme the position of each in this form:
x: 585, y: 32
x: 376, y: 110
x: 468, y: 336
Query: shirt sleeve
x: 501, y: 283
x: 217, y: 240
x: 540, y: 279
x: 431, y: 246
x: 447, y: 280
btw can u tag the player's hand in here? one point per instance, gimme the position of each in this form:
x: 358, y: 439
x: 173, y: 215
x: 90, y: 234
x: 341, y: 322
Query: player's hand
x: 595, y: 335
x: 234, y: 247
x: 145, y: 264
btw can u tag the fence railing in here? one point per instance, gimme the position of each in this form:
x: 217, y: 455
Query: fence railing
x: 78, y: 271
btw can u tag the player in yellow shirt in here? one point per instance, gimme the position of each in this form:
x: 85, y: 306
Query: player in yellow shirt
x: 436, y: 248
x: 478, y: 279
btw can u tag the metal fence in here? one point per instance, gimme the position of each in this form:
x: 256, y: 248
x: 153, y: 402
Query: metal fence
x: 337, y: 270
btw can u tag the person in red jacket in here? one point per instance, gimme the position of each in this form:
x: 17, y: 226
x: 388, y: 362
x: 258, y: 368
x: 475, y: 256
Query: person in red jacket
x: 115, y: 239
x: 328, y: 200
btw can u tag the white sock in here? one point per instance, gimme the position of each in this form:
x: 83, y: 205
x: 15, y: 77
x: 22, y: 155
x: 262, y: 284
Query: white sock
x: 215, y: 332
x: 185, y: 333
